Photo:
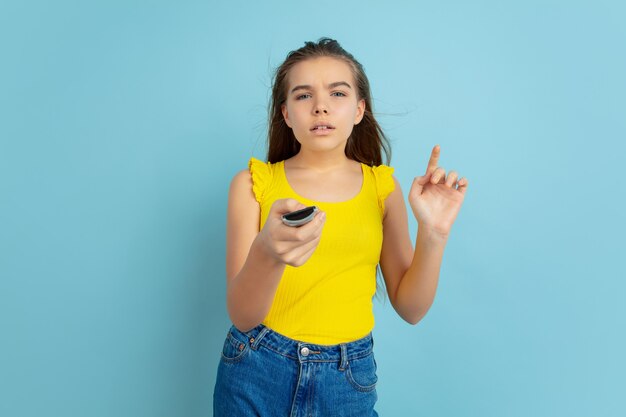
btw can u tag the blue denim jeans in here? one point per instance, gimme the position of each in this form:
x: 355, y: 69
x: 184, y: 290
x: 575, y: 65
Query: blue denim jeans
x: 263, y: 373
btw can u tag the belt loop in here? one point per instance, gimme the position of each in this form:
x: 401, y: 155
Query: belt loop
x: 344, y: 357
x: 254, y: 341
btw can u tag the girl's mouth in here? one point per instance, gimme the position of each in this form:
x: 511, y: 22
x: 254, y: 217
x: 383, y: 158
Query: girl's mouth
x: 322, y: 128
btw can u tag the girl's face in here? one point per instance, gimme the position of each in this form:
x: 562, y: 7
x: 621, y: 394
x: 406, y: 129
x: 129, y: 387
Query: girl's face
x: 322, y: 91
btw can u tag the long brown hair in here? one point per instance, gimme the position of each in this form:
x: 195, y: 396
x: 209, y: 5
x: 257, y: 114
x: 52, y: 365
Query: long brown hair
x: 367, y: 139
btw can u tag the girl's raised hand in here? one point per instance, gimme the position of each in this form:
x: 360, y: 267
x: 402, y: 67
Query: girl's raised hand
x: 290, y: 245
x: 435, y: 198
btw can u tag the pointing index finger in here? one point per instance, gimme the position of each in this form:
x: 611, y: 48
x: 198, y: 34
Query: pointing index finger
x: 434, y: 159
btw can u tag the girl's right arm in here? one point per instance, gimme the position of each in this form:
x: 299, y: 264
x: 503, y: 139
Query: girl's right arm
x: 255, y: 261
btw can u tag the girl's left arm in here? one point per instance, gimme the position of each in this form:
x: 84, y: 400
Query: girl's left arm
x: 411, y: 276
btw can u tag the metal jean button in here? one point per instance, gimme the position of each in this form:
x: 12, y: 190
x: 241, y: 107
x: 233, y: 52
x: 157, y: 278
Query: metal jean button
x: 304, y: 351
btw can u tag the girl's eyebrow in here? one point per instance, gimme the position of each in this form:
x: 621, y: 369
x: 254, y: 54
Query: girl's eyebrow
x: 331, y: 85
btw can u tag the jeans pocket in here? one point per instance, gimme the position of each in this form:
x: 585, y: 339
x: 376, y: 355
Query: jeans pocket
x: 361, y: 373
x: 235, y: 346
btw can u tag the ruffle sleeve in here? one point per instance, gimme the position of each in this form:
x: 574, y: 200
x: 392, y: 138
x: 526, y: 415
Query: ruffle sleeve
x: 261, y: 177
x: 384, y: 184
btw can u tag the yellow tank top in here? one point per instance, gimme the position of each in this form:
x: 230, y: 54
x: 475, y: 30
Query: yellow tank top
x: 328, y: 300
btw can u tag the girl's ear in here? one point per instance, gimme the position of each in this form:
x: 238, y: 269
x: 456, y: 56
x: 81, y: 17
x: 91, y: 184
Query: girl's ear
x: 360, y: 111
x: 283, y: 109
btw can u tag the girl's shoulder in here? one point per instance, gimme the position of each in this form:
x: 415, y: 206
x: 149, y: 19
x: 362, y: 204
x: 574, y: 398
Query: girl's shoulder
x: 256, y: 165
x: 382, y: 171
x: 384, y: 182
x: 261, y: 174
x: 383, y: 175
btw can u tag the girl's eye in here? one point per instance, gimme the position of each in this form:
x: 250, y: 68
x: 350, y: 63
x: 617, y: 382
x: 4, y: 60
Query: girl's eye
x: 301, y: 96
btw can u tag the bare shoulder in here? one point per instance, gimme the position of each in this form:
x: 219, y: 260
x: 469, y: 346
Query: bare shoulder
x: 241, y: 199
x: 397, y: 184
x: 242, y: 221
x: 394, y: 201
x: 241, y: 180
x: 241, y: 188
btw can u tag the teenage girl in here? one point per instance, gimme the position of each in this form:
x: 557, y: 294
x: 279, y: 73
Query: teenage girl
x: 300, y: 298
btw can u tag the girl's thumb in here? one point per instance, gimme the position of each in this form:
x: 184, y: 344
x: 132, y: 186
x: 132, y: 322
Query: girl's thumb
x: 423, y: 179
x: 419, y: 182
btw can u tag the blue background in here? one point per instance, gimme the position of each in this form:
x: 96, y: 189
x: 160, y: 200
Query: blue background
x: 122, y: 124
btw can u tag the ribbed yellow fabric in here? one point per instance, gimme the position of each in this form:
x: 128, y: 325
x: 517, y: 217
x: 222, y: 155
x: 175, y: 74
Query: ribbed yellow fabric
x: 328, y: 300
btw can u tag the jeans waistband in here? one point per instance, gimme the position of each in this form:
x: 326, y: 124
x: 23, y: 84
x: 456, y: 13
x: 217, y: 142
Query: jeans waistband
x: 303, y: 351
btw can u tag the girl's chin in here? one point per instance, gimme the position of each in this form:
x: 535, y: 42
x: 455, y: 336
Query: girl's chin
x: 322, y: 140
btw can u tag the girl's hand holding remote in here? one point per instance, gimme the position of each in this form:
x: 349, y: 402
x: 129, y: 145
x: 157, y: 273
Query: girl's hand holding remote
x: 290, y: 245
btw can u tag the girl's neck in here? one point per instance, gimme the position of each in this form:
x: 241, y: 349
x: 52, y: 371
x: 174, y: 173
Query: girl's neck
x: 321, y: 162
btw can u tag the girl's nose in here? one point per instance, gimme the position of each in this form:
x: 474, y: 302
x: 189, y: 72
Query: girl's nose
x: 320, y: 107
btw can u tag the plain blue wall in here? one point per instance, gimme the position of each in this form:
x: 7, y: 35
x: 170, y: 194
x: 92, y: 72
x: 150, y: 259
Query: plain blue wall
x: 122, y: 124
